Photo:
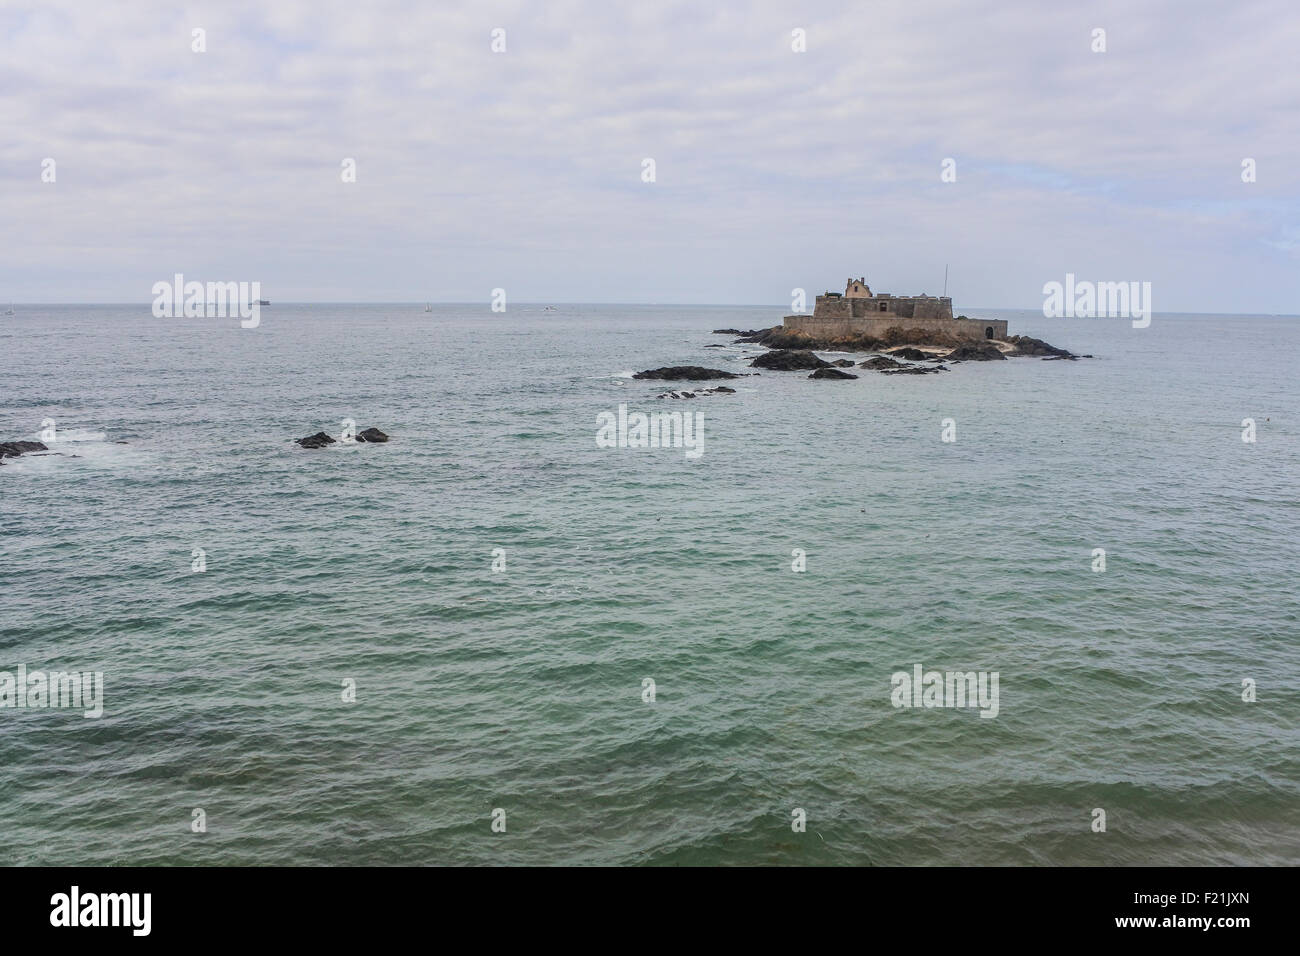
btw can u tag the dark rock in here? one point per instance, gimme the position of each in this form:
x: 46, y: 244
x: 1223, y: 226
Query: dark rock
x: 789, y: 360
x: 971, y: 352
x: 719, y: 390
x: 322, y: 440
x: 830, y: 373
x: 780, y: 337
x: 903, y: 342
x: 738, y: 332
x: 318, y: 440
x: 1028, y: 345
x: 880, y: 362
x: 690, y: 373
x: 12, y: 449
x: 843, y: 363
x: 913, y: 370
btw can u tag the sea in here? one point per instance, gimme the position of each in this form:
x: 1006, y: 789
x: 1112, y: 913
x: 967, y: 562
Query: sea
x: 494, y: 640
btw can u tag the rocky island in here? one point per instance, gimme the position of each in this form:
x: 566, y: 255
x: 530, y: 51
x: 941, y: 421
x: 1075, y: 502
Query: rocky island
x: 915, y: 327
x: 911, y: 335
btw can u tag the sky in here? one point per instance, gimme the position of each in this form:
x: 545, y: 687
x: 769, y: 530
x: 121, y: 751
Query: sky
x: 774, y: 169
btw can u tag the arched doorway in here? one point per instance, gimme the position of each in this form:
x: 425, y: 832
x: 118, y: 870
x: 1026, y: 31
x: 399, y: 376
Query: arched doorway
x: 988, y: 332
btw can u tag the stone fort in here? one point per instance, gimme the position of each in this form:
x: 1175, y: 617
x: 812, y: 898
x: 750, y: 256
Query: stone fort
x: 859, y: 311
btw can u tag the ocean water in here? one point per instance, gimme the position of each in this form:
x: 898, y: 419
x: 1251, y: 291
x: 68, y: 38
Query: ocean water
x: 522, y: 689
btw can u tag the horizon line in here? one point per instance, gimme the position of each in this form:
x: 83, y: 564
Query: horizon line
x: 717, y: 305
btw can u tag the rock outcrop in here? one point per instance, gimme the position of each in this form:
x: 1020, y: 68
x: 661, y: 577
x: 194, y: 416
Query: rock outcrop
x: 830, y: 373
x: 779, y: 337
x: 12, y: 449
x: 322, y: 440
x: 688, y: 373
x: 900, y: 342
x: 789, y: 360
x: 753, y: 335
x: 880, y: 362
x: 1028, y: 345
x: 972, y: 352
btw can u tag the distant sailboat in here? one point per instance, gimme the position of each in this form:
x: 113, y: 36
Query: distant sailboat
x: 11, y: 309
x: 428, y: 308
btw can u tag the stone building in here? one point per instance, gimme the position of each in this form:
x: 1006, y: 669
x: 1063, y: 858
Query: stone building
x: 859, y: 311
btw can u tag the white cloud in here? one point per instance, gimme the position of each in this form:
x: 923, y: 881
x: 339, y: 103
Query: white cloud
x: 775, y: 169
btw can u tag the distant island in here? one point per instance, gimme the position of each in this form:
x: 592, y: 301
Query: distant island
x: 911, y: 327
x: 913, y: 334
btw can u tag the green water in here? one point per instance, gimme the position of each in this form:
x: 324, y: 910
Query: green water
x: 522, y: 689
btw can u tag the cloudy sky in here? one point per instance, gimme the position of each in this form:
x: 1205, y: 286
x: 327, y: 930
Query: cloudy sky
x: 774, y: 169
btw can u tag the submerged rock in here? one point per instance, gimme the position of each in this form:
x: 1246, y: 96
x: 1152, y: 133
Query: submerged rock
x: 880, y: 362
x: 843, y: 363
x: 789, y: 360
x: 372, y: 435
x: 909, y: 353
x: 12, y: 449
x: 830, y: 373
x: 690, y: 373
x: 913, y: 370
x: 718, y: 390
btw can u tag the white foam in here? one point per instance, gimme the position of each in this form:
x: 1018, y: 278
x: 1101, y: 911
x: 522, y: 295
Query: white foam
x: 71, y: 447
x: 62, y: 435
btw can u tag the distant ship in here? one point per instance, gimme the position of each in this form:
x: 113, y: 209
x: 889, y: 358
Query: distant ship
x: 428, y: 308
